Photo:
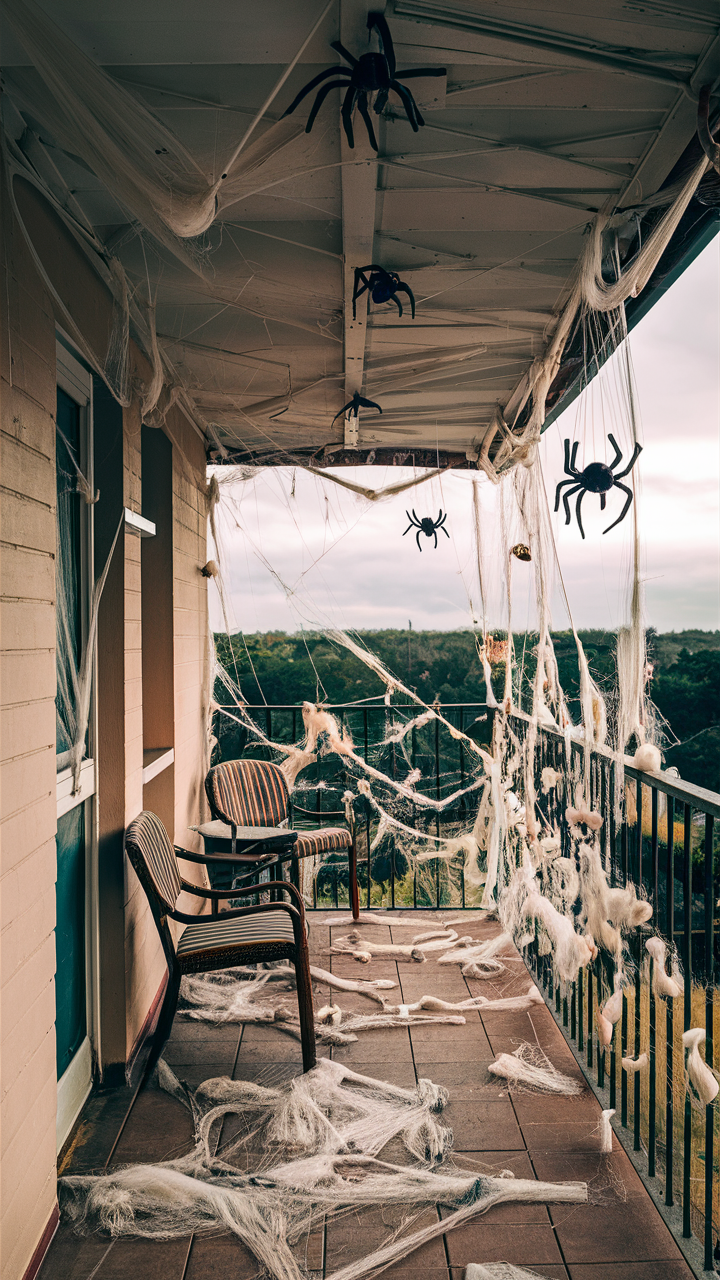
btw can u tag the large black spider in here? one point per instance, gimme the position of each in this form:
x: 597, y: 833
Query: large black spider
x: 382, y: 286
x: 596, y: 478
x: 355, y: 405
x: 371, y: 73
x: 427, y: 525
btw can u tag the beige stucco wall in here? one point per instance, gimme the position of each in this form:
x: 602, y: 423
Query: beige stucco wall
x: 27, y: 713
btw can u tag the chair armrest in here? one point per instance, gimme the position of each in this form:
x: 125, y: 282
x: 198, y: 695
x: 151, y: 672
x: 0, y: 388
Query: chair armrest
x: 319, y: 816
x: 220, y: 857
x: 265, y: 887
x: 238, y: 912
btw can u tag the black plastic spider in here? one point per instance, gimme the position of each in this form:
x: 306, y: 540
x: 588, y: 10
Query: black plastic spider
x: 382, y: 286
x: 596, y: 478
x: 371, y: 73
x: 427, y: 525
x: 355, y: 405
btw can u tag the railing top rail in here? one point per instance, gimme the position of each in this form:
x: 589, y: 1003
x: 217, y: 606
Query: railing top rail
x: 354, y: 706
x: 687, y: 792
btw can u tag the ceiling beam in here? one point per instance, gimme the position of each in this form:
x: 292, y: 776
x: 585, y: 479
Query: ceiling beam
x: 359, y: 188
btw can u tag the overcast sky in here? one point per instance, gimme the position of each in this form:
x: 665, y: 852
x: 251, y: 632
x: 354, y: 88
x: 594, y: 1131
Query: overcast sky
x: 346, y: 561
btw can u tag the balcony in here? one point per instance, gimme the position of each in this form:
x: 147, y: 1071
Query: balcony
x: 653, y: 1203
x: 620, y: 1234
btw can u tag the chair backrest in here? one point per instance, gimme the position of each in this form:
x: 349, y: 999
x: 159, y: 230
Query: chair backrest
x: 247, y: 793
x: 151, y: 853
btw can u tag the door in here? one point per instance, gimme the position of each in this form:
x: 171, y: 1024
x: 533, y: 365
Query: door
x: 75, y: 766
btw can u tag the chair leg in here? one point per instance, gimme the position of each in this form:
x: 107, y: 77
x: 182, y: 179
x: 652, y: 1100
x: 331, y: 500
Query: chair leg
x: 164, y: 1022
x: 354, y: 892
x: 305, y: 1008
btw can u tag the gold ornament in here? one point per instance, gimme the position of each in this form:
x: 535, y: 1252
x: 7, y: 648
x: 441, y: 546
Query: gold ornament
x: 521, y: 552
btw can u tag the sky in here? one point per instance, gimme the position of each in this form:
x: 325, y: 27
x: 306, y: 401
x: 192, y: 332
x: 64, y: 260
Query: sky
x: 298, y: 551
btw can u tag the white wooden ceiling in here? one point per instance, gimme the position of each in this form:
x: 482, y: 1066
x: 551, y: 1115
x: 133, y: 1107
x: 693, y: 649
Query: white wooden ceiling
x: 549, y: 110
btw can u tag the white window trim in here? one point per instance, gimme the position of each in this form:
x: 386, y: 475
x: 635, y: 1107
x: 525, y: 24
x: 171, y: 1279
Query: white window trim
x: 73, y: 1088
x: 65, y: 798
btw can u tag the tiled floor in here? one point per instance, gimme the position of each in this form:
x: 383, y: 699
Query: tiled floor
x: 618, y: 1235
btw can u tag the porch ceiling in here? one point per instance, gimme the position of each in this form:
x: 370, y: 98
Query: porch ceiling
x: 546, y: 113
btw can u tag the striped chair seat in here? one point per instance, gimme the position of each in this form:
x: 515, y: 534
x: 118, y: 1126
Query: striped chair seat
x: 327, y: 840
x: 266, y: 928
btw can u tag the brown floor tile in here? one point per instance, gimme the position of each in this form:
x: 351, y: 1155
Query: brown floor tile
x: 217, y: 1258
x: 564, y: 1137
x: 391, y: 1045
x: 93, y: 1140
x: 484, y: 1126
x: 358, y: 1234
x: 665, y: 1270
x: 465, y: 1081
x: 195, y: 1073
x: 522, y: 1245
x: 446, y: 1047
x: 72, y: 1257
x: 161, y: 1259
x: 608, y: 1177
x: 617, y: 1234
x: 158, y: 1128
x: 538, y: 1108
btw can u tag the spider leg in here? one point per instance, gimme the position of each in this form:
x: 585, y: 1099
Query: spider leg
x: 436, y: 522
x: 572, y: 480
x: 603, y: 501
x: 380, y: 101
x: 566, y: 503
x: 358, y: 289
x: 435, y: 537
x: 440, y: 523
x: 581, y: 495
x: 377, y: 20
x: 363, y: 109
x: 340, y: 48
x: 442, y: 526
x: 346, y: 114
x: 343, y: 71
x: 408, y: 528
x: 412, y: 522
x: 340, y: 412
x: 636, y: 454
x: 573, y: 459
x: 418, y: 521
x: 618, y: 452
x: 409, y: 103
x: 405, y: 288
x: 625, y: 509
x: 322, y: 95
x: 570, y: 467
x: 417, y: 539
x: 394, y: 298
x: 369, y: 404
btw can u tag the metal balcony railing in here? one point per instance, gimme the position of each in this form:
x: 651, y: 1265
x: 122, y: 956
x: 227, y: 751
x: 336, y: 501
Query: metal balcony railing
x: 659, y: 833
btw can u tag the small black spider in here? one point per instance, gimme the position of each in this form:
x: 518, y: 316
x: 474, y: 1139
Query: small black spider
x: 596, y: 478
x: 355, y: 405
x: 371, y: 73
x: 382, y: 286
x: 427, y: 525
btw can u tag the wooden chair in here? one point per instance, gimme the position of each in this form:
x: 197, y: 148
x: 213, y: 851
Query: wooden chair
x: 254, y: 793
x: 246, y: 935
